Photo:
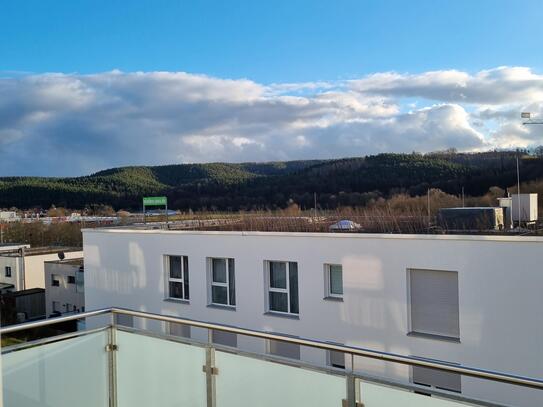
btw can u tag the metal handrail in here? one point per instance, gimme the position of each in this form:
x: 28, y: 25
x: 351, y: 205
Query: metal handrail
x: 362, y: 352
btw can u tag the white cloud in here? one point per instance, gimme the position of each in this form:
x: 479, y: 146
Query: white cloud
x: 58, y: 124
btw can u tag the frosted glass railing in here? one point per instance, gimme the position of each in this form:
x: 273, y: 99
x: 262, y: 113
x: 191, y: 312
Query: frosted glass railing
x: 157, y: 372
x: 378, y: 395
x: 68, y: 373
x: 119, y: 366
x: 248, y: 382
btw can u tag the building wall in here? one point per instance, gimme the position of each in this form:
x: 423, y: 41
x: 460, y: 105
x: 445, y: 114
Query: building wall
x: 16, y: 277
x: 35, y: 269
x: 500, y: 301
x: 66, y: 294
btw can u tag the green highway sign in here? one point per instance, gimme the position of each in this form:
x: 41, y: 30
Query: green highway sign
x: 155, y: 201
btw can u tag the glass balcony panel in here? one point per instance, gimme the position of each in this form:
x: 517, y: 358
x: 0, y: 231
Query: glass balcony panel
x: 247, y: 382
x: 380, y: 395
x: 158, y: 372
x: 71, y: 372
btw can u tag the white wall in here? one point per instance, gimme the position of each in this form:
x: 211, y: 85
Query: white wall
x: 35, y: 268
x: 500, y: 281
x: 16, y: 277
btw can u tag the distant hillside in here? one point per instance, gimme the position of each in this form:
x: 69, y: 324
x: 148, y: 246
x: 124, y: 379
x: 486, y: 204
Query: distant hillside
x: 348, y: 181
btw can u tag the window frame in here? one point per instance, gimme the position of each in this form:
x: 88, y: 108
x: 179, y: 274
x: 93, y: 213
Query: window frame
x: 70, y: 279
x: 227, y: 284
x: 328, y: 294
x: 185, y: 277
x: 7, y: 271
x: 287, y: 290
x: 55, y: 280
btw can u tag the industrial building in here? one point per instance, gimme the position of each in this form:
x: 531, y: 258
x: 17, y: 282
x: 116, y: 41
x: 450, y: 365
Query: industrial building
x: 450, y: 299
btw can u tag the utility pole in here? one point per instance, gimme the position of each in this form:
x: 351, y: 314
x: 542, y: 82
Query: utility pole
x: 463, y: 199
x: 315, y: 204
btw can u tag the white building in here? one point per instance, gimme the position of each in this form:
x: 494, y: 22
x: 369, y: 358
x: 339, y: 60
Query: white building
x: 24, y: 266
x: 469, y: 300
x: 64, y: 292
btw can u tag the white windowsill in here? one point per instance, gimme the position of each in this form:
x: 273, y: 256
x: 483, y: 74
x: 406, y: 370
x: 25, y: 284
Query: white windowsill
x: 282, y: 315
x: 177, y: 300
x: 222, y: 306
x: 434, y: 337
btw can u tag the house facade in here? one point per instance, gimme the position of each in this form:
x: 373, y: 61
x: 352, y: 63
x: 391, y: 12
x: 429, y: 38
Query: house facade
x: 467, y: 300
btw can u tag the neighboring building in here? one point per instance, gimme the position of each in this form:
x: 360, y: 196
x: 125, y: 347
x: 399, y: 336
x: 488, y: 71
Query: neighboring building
x: 24, y: 267
x: 468, y: 300
x: 9, y: 216
x: 471, y: 218
x: 525, y: 206
x: 64, y: 292
x: 22, y: 306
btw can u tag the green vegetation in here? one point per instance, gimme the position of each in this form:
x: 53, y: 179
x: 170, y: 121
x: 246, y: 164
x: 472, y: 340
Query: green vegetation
x: 220, y: 186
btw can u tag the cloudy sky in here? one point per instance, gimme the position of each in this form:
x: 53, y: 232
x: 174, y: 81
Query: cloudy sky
x: 71, y: 107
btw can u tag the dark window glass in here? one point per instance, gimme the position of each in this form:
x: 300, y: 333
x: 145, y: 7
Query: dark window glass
x: 186, y: 276
x: 175, y: 267
x: 278, y: 302
x: 336, y: 280
x: 176, y: 290
x: 8, y: 271
x: 293, y: 287
x: 232, y: 282
x: 219, y: 295
x: 219, y: 270
x: 278, y: 274
x: 71, y: 279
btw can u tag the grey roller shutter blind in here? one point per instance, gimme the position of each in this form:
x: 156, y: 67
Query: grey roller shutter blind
x: 434, y: 302
x: 285, y: 349
x: 180, y: 330
x: 437, y: 378
x: 225, y: 338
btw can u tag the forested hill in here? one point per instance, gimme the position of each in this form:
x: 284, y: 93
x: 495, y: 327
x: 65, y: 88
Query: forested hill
x: 348, y: 181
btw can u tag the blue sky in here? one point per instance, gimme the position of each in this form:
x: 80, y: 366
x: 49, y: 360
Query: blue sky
x: 269, y: 41
x: 111, y: 83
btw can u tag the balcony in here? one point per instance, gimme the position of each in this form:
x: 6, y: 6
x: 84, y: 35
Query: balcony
x: 113, y: 365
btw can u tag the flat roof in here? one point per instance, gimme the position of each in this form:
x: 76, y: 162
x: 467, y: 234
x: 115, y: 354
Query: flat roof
x: 337, y: 235
x: 76, y: 262
x: 36, y: 251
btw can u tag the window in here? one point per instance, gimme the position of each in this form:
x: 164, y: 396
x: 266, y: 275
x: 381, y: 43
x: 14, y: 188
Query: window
x: 434, y: 306
x: 178, y: 277
x: 435, y: 378
x: 55, y: 280
x: 71, y: 279
x: 333, y: 274
x: 282, y: 287
x: 8, y: 271
x: 336, y: 359
x: 224, y: 338
x: 222, y: 280
x: 179, y: 330
x: 56, y: 306
x: 284, y: 349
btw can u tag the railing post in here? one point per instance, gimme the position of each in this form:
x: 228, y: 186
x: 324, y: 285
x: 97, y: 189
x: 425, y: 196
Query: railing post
x: 353, y: 388
x: 210, y: 370
x: 111, y: 348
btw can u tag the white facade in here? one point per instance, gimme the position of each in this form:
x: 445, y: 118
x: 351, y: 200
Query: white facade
x: 524, y: 205
x: 64, y: 292
x: 497, y: 282
x: 28, y: 271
